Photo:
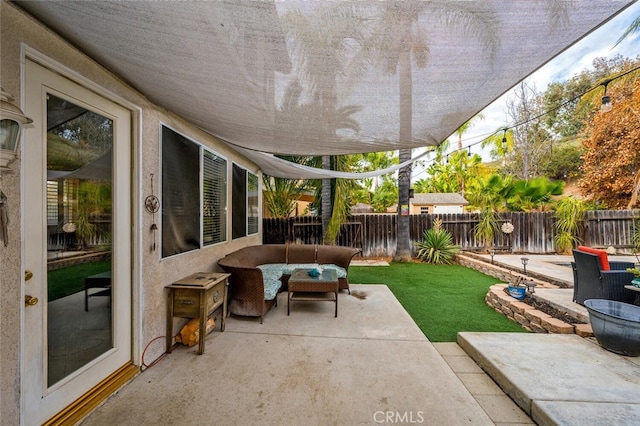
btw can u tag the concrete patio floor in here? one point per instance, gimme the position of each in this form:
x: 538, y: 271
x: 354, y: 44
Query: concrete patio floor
x: 371, y: 365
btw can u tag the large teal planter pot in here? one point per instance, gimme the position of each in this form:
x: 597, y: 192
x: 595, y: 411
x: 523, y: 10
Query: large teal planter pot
x: 517, y: 292
x: 616, y: 325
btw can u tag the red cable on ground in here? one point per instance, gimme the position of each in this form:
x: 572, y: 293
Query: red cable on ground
x: 160, y: 358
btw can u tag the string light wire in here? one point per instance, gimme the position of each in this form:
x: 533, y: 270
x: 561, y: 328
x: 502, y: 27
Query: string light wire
x: 536, y: 117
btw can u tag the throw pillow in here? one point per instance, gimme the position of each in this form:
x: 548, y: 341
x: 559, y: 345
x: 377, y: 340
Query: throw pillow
x: 602, y: 256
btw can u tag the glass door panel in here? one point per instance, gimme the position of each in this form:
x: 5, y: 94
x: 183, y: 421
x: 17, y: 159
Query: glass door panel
x: 78, y: 210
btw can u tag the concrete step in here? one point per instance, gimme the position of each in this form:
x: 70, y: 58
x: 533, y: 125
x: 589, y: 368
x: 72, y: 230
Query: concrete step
x: 560, y: 379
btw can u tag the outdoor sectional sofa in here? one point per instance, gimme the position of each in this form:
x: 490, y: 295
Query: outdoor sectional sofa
x: 595, y: 277
x: 259, y: 272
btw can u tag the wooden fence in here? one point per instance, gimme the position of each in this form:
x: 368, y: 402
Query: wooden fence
x: 533, y: 232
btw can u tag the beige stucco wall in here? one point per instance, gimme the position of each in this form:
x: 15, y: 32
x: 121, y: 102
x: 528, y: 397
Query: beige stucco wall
x: 150, y: 273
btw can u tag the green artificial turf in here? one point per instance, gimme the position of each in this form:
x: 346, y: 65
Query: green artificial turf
x: 66, y: 281
x: 442, y: 299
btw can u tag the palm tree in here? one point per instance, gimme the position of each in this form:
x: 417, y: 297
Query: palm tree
x: 281, y: 194
x: 402, y: 42
x: 633, y: 28
x: 459, y: 132
x: 532, y: 194
x: 466, y: 126
x: 488, y: 196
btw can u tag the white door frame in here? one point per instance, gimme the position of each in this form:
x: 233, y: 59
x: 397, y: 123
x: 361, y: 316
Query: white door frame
x: 135, y: 205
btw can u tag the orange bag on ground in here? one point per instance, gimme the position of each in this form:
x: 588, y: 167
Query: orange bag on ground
x: 190, y: 333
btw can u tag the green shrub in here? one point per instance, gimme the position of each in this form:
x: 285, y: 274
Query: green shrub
x: 570, y: 214
x: 437, y: 245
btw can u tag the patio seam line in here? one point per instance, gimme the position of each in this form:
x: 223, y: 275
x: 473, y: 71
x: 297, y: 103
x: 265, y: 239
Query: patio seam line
x: 583, y: 400
x: 328, y: 337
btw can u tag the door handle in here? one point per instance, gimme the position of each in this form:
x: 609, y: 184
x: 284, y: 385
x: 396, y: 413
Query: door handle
x: 28, y: 275
x: 30, y: 300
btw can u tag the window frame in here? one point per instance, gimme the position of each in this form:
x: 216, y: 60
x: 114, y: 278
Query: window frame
x: 224, y: 174
x: 246, y: 206
x: 225, y: 208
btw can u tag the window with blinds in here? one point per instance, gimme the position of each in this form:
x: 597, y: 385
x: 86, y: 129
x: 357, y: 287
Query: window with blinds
x: 69, y: 200
x: 52, y: 203
x: 244, y: 202
x: 194, y: 195
x: 214, y: 198
x: 252, y: 204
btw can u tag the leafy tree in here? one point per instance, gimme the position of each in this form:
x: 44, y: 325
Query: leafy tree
x: 611, y: 163
x: 370, y: 188
x: 377, y: 161
x: 84, y: 128
x: 565, y: 162
x: 452, y: 173
x: 531, y: 138
x: 565, y: 115
x: 281, y: 195
x: 569, y: 105
x: 532, y: 194
x: 423, y: 186
x: 384, y: 196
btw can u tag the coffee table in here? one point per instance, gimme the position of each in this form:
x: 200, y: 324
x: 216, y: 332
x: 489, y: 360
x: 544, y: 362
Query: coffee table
x: 303, y: 286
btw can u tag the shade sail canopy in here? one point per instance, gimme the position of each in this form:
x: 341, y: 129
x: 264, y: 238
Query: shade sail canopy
x: 316, y: 77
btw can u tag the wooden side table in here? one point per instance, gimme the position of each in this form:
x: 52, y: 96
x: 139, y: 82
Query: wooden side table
x: 197, y: 296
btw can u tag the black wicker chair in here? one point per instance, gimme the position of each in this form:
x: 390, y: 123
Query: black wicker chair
x: 590, y: 282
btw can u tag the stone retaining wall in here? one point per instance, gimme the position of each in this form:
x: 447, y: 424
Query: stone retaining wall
x: 76, y: 260
x: 530, y: 318
x: 526, y: 315
x: 503, y: 272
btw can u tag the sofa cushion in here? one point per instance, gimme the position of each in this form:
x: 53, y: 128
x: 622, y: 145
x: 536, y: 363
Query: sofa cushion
x: 301, y: 253
x: 602, y: 256
x: 288, y: 269
x: 271, y: 274
x: 340, y: 271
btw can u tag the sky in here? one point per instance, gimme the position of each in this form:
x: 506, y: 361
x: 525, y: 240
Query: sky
x: 577, y: 58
